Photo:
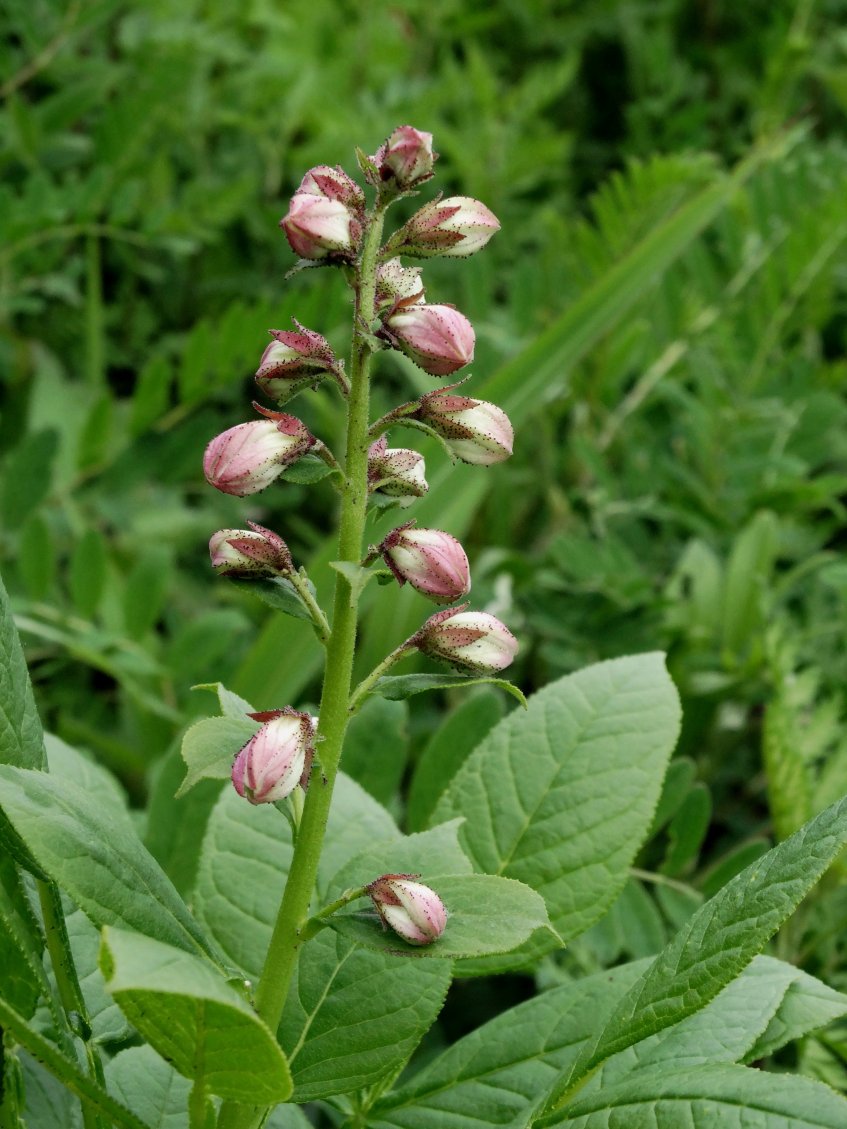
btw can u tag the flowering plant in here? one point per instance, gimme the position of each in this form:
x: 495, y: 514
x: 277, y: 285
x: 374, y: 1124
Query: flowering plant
x: 318, y: 941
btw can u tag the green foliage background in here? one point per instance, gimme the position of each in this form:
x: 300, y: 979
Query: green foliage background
x: 681, y: 467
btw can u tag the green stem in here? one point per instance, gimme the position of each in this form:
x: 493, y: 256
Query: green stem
x: 320, y: 919
x: 365, y: 685
x: 319, y: 620
x: 293, y: 912
x: 70, y: 993
x: 197, y: 1105
x: 93, y: 1097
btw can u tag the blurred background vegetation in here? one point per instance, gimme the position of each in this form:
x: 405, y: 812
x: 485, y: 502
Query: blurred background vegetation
x: 664, y: 315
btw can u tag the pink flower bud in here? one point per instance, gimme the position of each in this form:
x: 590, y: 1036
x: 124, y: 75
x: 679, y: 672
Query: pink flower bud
x: 470, y: 641
x: 431, y: 561
x: 397, y: 285
x: 249, y: 552
x: 458, y: 226
x: 294, y: 361
x: 275, y: 759
x: 406, y: 157
x: 248, y: 457
x: 333, y: 184
x: 318, y: 227
x: 437, y: 338
x: 397, y: 472
x: 412, y: 910
x: 474, y: 430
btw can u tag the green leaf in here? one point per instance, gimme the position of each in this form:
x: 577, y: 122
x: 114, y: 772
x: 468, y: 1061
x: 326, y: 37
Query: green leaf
x: 718, y: 941
x: 353, y: 1016
x: 21, y: 741
x: 96, y: 858
x: 278, y: 594
x: 107, y: 1023
x: 22, y: 976
x: 88, y: 572
x: 67, y: 763
x: 494, y: 1075
x: 210, y: 746
x: 194, y: 1019
x: 436, y: 851
x: 687, y: 830
x: 748, y: 569
x: 149, y: 1086
x: 146, y: 591
x: 486, y: 915
x: 27, y: 477
x: 769, y: 1004
x: 307, y: 469
x: 561, y: 797
x: 732, y: 1097
x: 37, y: 556
x: 47, y: 1103
x: 447, y: 750
x: 232, y: 704
x: 400, y: 686
x: 356, y: 576
x: 376, y: 745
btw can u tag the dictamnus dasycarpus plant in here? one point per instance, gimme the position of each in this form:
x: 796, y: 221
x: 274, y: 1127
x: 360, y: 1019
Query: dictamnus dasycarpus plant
x: 315, y: 942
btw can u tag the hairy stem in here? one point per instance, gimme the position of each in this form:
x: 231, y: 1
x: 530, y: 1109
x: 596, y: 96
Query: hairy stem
x: 334, y: 714
x: 70, y: 993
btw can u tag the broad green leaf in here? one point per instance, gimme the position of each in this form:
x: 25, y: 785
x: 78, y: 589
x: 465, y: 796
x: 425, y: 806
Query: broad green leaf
x: 493, y: 1076
x: 47, y: 1103
x: 21, y: 741
x: 769, y: 996
x: 400, y: 686
x: 306, y: 470
x: 356, y: 822
x: 447, y: 750
x: 732, y: 1097
x: 486, y: 915
x: 354, y: 1016
x: 288, y: 1117
x: 245, y: 860
x: 718, y: 941
x: 210, y: 746
x: 194, y: 1019
x: 561, y: 796
x: 67, y: 763
x: 107, y: 1022
x: 96, y: 858
x: 376, y: 745
x: 437, y: 851
x: 149, y: 1086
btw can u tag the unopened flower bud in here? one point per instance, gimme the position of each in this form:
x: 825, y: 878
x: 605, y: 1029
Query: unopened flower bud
x: 470, y: 641
x: 412, y: 910
x: 318, y: 227
x: 437, y: 338
x: 294, y: 361
x: 275, y: 759
x: 397, y: 472
x: 397, y: 285
x: 474, y: 430
x: 248, y: 457
x: 406, y: 158
x: 333, y: 184
x: 433, y: 562
x: 249, y: 552
x: 457, y: 226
